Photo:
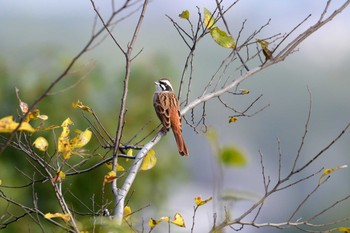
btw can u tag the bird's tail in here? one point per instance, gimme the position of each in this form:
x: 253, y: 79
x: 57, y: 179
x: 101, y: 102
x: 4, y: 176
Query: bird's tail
x: 180, y: 142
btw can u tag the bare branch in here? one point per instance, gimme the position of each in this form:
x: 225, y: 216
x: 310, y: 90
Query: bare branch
x: 295, y: 42
x: 305, y: 132
x: 118, y: 212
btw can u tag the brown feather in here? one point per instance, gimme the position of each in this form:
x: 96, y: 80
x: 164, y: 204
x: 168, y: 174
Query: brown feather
x: 180, y: 143
x: 167, y: 109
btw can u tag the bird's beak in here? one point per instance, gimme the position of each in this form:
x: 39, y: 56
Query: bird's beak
x: 156, y: 82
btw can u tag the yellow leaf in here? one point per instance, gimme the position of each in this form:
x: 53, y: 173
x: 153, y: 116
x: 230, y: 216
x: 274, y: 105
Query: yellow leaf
x: 110, y: 176
x: 35, y: 114
x: 82, y: 139
x: 32, y: 115
x: 67, y: 122
x: 26, y: 127
x: 263, y: 43
x: 59, y: 176
x: 80, y: 105
x: 64, y: 145
x: 232, y: 119
x: 129, y: 153
x: 152, y: 222
x: 208, y: 19
x: 65, y: 127
x: 62, y: 175
x: 127, y: 212
x: 41, y: 144
x: 120, y: 168
x: 0, y: 182
x: 200, y: 202
x: 185, y: 14
x: 178, y: 220
x: 149, y: 161
x: 222, y: 39
x: 109, y: 165
x: 265, y: 47
x: 329, y: 171
x: 8, y: 125
x: 67, y: 154
x: 65, y: 217
x: 343, y: 229
x: 244, y: 91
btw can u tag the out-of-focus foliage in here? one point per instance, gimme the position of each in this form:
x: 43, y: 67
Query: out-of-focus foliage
x: 228, y: 155
x: 95, y: 91
x: 232, y: 156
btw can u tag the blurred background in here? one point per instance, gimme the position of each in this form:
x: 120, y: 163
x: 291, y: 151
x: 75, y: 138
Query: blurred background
x: 39, y: 39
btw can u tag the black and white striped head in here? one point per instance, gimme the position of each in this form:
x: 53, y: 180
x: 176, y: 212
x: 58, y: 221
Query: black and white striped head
x: 163, y: 85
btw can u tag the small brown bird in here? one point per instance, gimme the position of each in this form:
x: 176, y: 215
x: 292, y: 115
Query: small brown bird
x: 168, y: 111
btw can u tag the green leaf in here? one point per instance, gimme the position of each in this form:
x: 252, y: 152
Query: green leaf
x: 222, y: 38
x: 185, y: 14
x: 208, y: 19
x: 232, y: 156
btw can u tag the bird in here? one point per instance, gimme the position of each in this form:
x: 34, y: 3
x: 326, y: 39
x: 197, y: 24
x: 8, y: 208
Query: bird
x: 167, y: 108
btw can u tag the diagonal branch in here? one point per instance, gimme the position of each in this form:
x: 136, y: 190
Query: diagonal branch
x: 294, y: 43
